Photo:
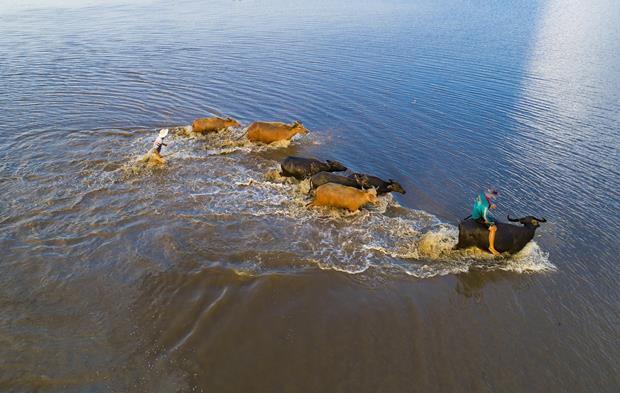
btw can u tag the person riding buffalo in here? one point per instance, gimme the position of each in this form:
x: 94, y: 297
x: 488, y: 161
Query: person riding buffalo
x: 481, y: 214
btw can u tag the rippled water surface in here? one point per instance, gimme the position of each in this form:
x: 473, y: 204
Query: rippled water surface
x: 211, y: 274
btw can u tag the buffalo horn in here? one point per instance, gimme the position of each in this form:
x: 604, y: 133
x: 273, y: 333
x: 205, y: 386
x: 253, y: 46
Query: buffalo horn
x: 541, y: 219
x: 513, y: 219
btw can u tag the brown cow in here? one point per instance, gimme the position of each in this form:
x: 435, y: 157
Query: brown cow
x: 213, y: 124
x: 268, y: 132
x: 337, y: 195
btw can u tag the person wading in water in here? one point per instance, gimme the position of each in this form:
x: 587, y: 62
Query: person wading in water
x: 155, y: 153
x: 480, y: 213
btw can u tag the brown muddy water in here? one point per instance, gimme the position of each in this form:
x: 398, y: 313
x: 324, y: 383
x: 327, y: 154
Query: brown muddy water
x: 210, y: 274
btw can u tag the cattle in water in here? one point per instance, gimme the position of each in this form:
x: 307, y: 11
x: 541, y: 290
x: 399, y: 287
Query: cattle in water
x: 508, y: 238
x: 337, y: 195
x: 302, y: 168
x: 326, y: 177
x: 382, y: 186
x: 213, y: 124
x: 269, y: 132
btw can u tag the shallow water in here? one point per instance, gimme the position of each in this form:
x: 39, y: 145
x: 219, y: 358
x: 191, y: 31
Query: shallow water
x: 211, y: 274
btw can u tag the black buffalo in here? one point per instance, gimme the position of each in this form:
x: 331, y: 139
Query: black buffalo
x: 382, y: 186
x: 508, y: 238
x: 325, y: 177
x: 303, y: 168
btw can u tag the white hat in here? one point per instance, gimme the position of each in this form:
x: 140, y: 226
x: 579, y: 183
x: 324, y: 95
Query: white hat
x: 163, y: 132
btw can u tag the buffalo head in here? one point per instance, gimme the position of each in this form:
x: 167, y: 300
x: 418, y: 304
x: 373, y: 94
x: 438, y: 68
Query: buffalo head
x: 528, y: 220
x: 299, y: 128
x: 335, y: 166
x: 230, y: 122
x: 371, y: 195
x: 394, y: 186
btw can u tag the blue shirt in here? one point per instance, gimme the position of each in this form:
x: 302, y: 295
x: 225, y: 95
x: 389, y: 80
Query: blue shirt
x: 481, y: 210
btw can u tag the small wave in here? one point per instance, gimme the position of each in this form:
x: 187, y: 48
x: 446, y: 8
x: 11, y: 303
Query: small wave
x: 531, y: 259
x: 228, y: 150
x: 349, y: 269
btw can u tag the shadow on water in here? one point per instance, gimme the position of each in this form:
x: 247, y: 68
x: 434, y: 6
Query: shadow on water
x: 472, y: 283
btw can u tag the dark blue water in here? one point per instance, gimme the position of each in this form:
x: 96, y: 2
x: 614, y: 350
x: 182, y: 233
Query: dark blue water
x: 209, y: 275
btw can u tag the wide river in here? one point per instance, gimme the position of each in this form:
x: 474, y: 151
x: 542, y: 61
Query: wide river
x: 212, y: 275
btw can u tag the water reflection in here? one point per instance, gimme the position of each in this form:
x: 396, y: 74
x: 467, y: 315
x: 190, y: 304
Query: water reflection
x: 563, y: 116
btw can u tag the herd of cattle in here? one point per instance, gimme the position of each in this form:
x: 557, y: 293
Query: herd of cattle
x: 356, y: 190
x: 348, y: 192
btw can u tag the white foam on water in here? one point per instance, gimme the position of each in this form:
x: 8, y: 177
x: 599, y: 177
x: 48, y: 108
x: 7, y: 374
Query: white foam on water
x: 439, y: 242
x: 228, y: 150
x: 530, y: 259
x: 344, y: 268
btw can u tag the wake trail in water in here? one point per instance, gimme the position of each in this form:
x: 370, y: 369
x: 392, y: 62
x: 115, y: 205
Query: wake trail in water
x: 221, y: 176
